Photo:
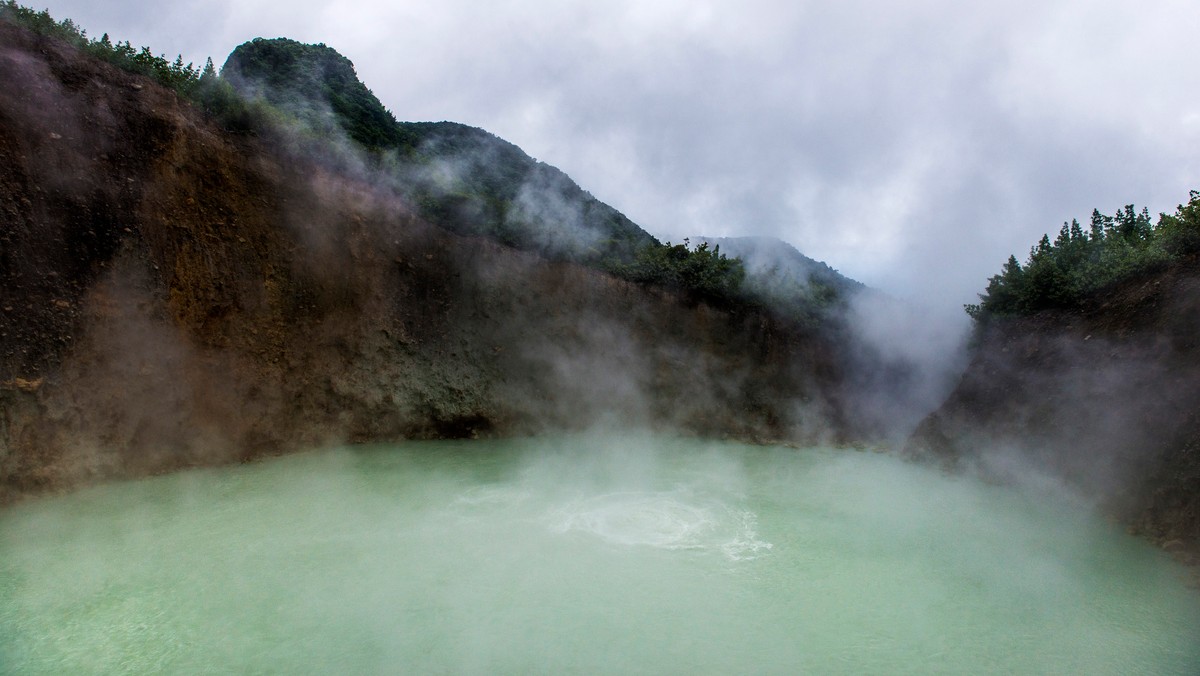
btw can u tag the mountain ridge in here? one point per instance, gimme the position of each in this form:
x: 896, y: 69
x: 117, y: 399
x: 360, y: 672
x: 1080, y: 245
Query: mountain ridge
x: 473, y: 182
x: 177, y: 294
x: 461, y: 177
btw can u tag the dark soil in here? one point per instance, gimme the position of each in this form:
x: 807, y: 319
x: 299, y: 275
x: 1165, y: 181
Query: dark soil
x: 175, y: 296
x: 1106, y: 398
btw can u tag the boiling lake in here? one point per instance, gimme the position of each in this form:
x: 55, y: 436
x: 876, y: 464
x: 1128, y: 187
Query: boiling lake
x: 589, y: 554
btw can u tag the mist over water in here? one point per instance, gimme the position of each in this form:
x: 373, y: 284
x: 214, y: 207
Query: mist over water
x: 586, y: 554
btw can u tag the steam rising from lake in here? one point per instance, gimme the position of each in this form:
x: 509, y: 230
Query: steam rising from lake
x: 582, y: 554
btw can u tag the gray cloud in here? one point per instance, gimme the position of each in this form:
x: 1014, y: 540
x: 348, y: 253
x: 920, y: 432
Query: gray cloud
x: 910, y: 146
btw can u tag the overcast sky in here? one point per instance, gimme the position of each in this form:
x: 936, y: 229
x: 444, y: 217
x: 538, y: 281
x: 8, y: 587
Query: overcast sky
x: 911, y: 145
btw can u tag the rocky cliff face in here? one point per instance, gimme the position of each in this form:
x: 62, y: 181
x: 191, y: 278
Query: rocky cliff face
x: 174, y: 296
x: 1106, y: 399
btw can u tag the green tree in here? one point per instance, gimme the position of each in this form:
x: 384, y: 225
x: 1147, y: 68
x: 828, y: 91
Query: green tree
x: 1075, y: 266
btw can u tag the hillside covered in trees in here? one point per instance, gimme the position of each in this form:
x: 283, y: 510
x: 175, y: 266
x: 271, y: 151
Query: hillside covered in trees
x: 1082, y: 263
x: 467, y: 180
x: 779, y: 276
x: 459, y: 177
x: 1085, y: 368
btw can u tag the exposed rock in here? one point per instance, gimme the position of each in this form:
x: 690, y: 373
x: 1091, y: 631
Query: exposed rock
x: 185, y: 297
x: 1106, y: 399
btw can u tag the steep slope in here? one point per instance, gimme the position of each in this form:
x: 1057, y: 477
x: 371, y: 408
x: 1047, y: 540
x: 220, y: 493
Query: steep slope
x: 317, y: 85
x: 779, y: 275
x: 780, y: 264
x: 459, y: 177
x: 173, y: 296
x: 1105, y: 398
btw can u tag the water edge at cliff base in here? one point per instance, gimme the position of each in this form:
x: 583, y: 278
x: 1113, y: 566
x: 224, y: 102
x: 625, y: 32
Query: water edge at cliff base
x: 588, y: 554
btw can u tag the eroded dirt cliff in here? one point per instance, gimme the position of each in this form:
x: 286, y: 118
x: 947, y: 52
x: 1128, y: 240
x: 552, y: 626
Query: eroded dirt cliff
x: 176, y: 296
x: 1106, y: 399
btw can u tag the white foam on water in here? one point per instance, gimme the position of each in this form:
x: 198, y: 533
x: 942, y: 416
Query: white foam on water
x: 746, y: 546
x: 665, y: 520
x: 544, y: 563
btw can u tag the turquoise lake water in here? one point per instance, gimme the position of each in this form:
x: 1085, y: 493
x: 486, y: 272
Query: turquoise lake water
x: 587, y: 554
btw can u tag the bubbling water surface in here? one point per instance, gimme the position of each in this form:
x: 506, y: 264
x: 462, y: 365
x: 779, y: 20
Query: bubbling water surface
x: 590, y: 554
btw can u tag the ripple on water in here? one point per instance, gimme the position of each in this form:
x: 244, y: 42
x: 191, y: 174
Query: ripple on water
x: 664, y: 520
x: 490, y: 496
